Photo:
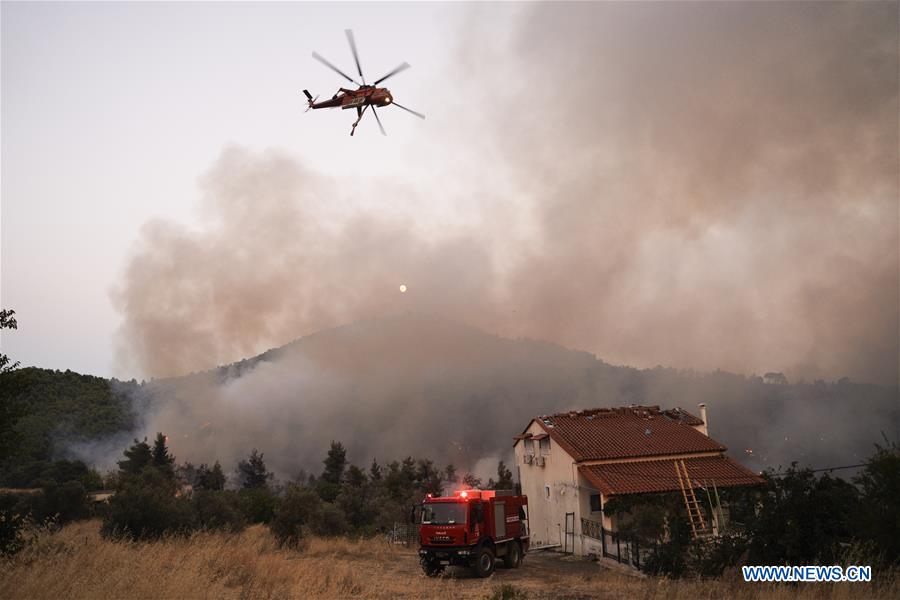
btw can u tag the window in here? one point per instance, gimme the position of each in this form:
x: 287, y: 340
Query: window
x: 444, y: 513
x: 529, y: 446
x: 545, y: 446
x: 595, y: 503
x: 546, y: 492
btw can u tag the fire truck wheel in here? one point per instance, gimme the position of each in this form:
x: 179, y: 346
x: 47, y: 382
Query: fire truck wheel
x: 432, y: 568
x: 484, y: 562
x: 513, y: 558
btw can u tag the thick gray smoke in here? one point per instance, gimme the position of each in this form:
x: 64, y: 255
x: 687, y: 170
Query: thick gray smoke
x: 708, y: 185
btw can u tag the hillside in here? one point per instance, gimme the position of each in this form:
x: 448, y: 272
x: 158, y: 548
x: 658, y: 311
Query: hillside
x: 420, y: 385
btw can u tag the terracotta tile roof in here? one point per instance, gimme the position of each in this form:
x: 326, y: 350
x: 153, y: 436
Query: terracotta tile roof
x: 653, y: 476
x: 633, y: 431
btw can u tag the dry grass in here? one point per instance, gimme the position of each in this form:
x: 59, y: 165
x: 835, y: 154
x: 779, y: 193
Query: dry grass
x: 78, y: 563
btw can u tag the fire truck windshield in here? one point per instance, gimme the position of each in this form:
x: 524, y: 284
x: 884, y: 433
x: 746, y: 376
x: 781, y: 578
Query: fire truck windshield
x: 444, y: 513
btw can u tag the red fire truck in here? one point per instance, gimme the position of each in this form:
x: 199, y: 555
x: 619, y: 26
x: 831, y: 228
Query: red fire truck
x: 473, y: 528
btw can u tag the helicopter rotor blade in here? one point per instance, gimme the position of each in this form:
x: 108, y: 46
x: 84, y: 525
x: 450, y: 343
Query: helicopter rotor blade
x: 418, y: 114
x: 352, y: 41
x: 402, y: 67
x: 322, y: 60
x: 377, y: 118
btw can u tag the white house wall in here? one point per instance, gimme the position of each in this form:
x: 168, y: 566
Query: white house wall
x: 547, y: 516
x: 570, y: 492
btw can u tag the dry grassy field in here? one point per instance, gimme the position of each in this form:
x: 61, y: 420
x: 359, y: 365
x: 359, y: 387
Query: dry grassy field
x: 77, y: 563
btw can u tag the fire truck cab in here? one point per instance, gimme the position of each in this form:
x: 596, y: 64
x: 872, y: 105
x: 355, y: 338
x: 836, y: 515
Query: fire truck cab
x: 473, y: 528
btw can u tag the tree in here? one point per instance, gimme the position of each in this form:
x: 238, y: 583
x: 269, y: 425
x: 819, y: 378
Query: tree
x: 375, y: 471
x: 210, y: 479
x: 802, y: 519
x: 145, y: 507
x: 329, y: 484
x: 880, y: 510
x: 430, y: 478
x: 10, y: 412
x: 218, y: 510
x: 335, y: 463
x: 161, y: 458
x: 355, y: 477
x: 450, y: 475
x: 471, y: 482
x: 137, y: 457
x: 299, y: 506
x: 252, y: 473
x: 504, y: 477
x: 7, y: 321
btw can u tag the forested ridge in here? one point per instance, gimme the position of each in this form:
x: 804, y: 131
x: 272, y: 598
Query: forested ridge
x: 766, y: 421
x: 54, y: 408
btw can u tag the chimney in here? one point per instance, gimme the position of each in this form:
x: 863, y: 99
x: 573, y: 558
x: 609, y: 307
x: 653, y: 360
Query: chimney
x: 704, y: 429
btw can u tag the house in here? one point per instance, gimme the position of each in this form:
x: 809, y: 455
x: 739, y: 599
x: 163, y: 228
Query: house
x: 570, y: 465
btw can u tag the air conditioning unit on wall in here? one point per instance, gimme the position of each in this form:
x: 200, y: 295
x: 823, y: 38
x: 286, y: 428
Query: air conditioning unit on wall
x: 528, y: 458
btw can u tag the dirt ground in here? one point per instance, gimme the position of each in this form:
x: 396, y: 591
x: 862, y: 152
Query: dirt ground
x: 543, y: 574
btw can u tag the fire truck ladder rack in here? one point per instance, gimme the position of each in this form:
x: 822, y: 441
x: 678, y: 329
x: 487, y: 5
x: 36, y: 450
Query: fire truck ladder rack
x: 695, y: 513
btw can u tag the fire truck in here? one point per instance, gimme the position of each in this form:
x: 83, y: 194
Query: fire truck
x: 473, y: 528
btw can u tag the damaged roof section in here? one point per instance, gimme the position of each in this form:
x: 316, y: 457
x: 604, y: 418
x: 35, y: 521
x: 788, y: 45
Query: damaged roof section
x: 627, y: 432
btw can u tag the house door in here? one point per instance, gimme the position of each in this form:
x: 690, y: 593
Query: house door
x: 569, y: 538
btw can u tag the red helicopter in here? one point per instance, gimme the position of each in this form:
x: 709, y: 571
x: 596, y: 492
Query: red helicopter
x: 364, y: 96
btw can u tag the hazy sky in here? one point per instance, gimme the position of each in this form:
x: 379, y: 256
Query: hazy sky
x: 111, y: 112
x: 709, y: 185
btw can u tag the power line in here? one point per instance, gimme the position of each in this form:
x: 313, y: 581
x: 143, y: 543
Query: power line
x: 856, y: 466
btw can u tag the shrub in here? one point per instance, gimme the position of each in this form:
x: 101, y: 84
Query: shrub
x: 145, y: 507
x: 62, y: 502
x: 12, y: 532
x: 506, y: 592
x: 218, y: 510
x: 297, y: 509
x: 329, y: 521
x: 257, y: 504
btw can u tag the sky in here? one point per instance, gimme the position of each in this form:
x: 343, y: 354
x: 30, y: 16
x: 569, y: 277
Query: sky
x: 111, y: 112
x: 700, y: 185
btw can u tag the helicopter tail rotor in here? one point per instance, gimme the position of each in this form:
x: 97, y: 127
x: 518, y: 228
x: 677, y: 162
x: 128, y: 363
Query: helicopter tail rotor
x: 310, y: 100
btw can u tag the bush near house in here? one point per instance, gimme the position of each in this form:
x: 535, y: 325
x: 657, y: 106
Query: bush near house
x: 798, y: 518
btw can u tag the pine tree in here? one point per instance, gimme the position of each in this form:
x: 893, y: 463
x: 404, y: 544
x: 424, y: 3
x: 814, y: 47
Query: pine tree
x: 216, y: 479
x: 252, y: 472
x: 329, y: 484
x: 210, y: 479
x: 471, y: 482
x: 162, y: 460
x: 335, y: 463
x: 375, y: 471
x: 137, y: 457
x: 450, y: 474
x: 504, y: 477
x: 356, y: 477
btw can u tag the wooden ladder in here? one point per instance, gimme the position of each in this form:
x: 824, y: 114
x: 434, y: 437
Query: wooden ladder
x: 695, y: 513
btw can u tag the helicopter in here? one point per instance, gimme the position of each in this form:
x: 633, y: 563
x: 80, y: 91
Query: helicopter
x: 362, y: 98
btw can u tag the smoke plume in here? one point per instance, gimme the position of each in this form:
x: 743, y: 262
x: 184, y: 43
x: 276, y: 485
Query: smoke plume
x: 709, y: 185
